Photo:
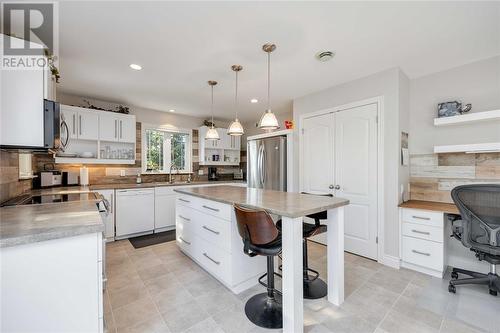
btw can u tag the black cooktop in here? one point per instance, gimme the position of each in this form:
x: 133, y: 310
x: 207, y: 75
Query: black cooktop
x: 49, y: 198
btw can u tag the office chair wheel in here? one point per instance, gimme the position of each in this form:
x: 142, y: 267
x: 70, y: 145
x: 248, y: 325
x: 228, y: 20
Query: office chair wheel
x: 493, y: 292
x: 454, y: 275
x: 452, y: 289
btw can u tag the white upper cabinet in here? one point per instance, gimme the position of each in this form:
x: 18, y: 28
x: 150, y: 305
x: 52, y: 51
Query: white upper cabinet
x: 21, y: 105
x: 108, y: 127
x: 227, y: 149
x: 127, y: 128
x: 88, y: 125
x: 116, y: 127
x: 83, y: 124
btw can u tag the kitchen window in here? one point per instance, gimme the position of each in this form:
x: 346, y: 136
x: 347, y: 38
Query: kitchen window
x: 164, y: 147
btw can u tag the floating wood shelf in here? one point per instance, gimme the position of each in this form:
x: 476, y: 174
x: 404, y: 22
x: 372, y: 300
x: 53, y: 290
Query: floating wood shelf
x: 490, y: 147
x: 468, y: 118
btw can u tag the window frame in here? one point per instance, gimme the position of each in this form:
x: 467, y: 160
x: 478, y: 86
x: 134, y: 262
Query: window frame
x: 168, y: 129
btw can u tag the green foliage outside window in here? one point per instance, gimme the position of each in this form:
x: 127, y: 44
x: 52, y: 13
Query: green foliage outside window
x: 155, y: 141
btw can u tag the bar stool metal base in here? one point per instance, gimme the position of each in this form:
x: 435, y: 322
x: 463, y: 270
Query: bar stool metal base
x: 265, y: 311
x: 315, y: 288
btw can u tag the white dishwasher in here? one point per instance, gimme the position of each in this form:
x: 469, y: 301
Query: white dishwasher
x: 135, y: 212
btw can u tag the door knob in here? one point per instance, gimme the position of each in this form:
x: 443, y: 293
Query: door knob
x: 337, y: 187
x: 330, y: 187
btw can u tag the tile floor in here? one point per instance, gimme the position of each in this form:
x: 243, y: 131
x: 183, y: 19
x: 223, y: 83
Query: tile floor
x: 158, y: 289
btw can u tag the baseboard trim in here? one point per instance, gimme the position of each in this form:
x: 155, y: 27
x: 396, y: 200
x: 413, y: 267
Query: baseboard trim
x: 390, y: 261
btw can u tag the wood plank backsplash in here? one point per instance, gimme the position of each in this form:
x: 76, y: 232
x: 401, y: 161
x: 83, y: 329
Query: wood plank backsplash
x: 433, y: 176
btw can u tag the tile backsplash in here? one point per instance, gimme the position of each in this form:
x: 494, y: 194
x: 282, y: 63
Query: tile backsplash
x: 10, y: 185
x: 433, y: 176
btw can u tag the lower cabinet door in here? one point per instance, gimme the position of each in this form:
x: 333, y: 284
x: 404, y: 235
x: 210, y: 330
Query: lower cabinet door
x: 424, y: 253
x: 165, y: 211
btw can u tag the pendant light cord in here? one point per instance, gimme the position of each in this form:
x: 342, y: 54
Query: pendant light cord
x: 236, y: 97
x: 212, y: 106
x: 268, y: 80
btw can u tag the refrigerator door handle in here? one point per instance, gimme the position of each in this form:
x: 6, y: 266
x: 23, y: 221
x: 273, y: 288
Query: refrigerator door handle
x: 264, y: 165
x: 260, y: 164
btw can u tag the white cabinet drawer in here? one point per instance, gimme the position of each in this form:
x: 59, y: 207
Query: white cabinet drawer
x: 423, y: 231
x: 423, y: 253
x: 185, y: 200
x: 213, y: 230
x: 187, y: 241
x: 214, y: 259
x: 424, y: 217
x: 217, y: 209
x: 184, y: 219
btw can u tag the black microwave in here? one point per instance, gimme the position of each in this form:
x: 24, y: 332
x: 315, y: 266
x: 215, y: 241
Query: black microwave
x: 51, y: 125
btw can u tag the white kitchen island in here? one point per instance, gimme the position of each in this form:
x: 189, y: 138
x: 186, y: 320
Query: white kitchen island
x: 207, y: 232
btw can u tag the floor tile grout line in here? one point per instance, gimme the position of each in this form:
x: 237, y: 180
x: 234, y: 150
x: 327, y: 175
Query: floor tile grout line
x: 392, y: 306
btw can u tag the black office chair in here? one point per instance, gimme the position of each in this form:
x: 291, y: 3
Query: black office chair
x: 478, y: 230
x: 313, y: 286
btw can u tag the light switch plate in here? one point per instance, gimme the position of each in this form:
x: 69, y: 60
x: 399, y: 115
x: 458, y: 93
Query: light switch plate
x: 122, y: 173
x: 200, y: 172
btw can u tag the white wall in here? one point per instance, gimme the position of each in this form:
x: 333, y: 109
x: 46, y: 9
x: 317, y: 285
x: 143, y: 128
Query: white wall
x: 477, y: 83
x: 386, y: 84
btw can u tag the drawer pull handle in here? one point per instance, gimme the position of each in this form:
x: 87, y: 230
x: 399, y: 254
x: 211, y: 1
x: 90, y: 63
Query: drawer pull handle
x: 422, y: 253
x: 420, y: 232
x: 214, y: 261
x: 184, y: 218
x: 207, y: 228
x: 184, y: 200
x: 421, y: 218
x: 184, y: 241
x: 211, y: 208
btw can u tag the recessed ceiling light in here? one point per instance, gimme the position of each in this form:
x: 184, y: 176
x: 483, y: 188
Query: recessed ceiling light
x: 325, y: 55
x: 136, y: 67
x: 171, y: 110
x: 254, y: 100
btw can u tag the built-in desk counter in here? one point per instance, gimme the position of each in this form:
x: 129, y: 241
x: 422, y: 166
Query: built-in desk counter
x: 448, y: 208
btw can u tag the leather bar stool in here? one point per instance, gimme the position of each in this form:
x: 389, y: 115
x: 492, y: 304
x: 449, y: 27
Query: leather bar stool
x: 314, y: 287
x: 261, y: 237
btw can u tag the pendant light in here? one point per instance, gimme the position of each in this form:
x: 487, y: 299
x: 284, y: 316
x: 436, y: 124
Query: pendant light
x: 268, y: 120
x: 235, y: 128
x: 212, y: 133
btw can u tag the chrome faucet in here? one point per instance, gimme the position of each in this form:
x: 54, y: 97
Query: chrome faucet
x: 171, y: 179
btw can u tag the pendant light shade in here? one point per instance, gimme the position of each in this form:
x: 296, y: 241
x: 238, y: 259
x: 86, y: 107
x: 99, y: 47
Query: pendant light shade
x: 268, y: 120
x: 235, y: 128
x: 212, y: 133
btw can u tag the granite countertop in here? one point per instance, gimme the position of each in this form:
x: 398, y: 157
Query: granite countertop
x: 275, y: 202
x: 35, y: 223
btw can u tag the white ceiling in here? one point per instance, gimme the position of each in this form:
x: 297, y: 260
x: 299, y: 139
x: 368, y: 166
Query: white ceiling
x: 181, y: 45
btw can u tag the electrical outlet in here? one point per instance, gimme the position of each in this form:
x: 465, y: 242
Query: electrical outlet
x: 122, y: 173
x: 200, y: 172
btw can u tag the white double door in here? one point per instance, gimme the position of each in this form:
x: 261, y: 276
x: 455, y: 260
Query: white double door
x: 339, y: 156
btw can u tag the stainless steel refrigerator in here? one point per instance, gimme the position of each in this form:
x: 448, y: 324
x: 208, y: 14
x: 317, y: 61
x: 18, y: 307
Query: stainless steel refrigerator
x: 266, y: 163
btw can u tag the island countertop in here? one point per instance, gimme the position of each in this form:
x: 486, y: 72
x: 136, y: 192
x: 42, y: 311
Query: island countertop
x: 35, y: 223
x: 276, y: 202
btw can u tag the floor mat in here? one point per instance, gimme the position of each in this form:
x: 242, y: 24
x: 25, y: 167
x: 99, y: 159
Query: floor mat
x: 157, y: 238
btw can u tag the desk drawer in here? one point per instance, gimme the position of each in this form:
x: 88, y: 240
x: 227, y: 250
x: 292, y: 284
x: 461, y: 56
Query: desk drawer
x: 422, y: 252
x: 424, y: 217
x: 423, y: 232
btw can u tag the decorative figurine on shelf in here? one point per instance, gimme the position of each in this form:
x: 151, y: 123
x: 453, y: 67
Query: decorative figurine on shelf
x: 455, y: 108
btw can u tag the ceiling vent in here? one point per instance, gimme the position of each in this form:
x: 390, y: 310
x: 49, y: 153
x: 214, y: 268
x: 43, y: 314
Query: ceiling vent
x: 325, y: 55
